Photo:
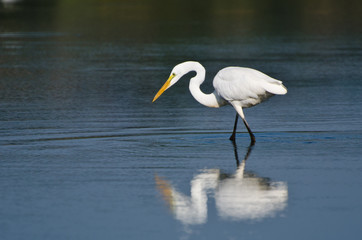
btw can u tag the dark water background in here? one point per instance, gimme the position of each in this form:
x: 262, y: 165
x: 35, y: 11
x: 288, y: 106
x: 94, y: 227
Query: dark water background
x: 85, y: 155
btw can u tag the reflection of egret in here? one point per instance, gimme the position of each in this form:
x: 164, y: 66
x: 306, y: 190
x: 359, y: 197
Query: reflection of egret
x: 240, y: 196
x: 246, y: 196
x: 190, y: 210
x: 237, y: 86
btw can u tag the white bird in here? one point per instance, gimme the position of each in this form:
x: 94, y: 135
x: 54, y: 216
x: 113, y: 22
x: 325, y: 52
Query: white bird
x: 238, y: 86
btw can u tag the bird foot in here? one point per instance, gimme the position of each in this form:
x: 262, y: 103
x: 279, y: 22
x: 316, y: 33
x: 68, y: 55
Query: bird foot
x: 232, y: 138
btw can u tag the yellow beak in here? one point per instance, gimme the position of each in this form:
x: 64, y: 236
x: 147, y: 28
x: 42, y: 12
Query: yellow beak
x: 164, y: 87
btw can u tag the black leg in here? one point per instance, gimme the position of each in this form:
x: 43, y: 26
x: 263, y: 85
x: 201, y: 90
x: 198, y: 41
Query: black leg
x: 252, y: 137
x: 232, y: 137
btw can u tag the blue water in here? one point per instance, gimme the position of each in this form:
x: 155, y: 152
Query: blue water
x: 84, y: 154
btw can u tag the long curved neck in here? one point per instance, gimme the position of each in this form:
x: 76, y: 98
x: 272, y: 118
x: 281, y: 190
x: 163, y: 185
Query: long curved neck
x: 209, y: 100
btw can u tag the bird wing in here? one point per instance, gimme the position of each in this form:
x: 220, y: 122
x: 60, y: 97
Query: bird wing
x: 239, y: 84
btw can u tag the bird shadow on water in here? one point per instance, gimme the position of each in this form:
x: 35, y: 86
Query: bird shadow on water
x: 238, y: 196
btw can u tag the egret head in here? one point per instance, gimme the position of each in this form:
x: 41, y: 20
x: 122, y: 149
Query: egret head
x: 175, y: 75
x: 177, y: 72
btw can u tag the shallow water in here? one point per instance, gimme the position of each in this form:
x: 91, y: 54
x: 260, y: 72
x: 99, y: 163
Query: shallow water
x: 84, y: 153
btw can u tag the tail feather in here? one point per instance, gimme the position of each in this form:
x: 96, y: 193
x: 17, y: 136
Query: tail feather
x: 275, y: 87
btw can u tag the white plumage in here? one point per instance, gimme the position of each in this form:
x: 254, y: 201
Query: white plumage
x: 238, y: 86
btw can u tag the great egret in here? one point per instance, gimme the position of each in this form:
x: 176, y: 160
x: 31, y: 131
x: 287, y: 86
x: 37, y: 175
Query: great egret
x: 238, y: 86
